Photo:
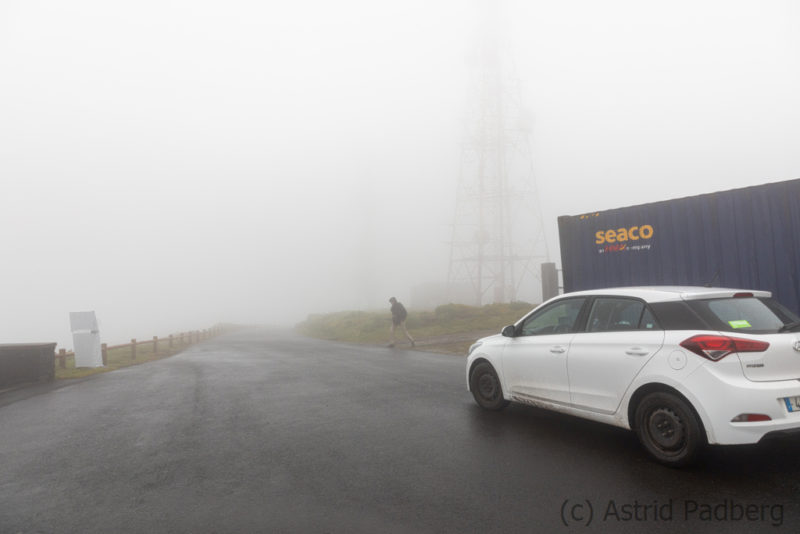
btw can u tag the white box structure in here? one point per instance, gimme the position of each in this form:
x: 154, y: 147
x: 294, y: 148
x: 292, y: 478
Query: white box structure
x: 86, y: 338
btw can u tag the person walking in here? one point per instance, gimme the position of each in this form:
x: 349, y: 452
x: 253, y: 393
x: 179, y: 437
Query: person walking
x: 399, y: 315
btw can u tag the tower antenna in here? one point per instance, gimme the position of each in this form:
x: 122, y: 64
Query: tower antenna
x: 498, y: 238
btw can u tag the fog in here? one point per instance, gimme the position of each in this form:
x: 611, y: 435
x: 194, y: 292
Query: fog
x: 175, y: 164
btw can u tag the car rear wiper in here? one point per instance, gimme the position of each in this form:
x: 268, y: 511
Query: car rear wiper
x: 789, y: 326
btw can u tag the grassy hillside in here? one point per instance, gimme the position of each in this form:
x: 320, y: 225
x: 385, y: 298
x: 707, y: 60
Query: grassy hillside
x: 117, y: 359
x: 373, y: 326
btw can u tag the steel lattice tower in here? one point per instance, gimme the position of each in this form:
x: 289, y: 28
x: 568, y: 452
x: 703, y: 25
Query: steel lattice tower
x: 498, y: 237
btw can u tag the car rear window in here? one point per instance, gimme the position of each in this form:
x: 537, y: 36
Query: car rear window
x: 677, y: 315
x: 747, y: 314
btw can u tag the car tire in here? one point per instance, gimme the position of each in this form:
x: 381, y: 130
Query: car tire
x: 669, y: 429
x: 486, y: 388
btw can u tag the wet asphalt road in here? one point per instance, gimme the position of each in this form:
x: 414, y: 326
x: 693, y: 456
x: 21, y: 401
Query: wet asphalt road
x: 263, y: 431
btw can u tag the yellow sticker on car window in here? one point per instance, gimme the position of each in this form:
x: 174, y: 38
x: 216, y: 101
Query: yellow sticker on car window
x: 739, y: 324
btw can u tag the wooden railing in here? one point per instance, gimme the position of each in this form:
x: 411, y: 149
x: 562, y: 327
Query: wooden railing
x: 172, y: 343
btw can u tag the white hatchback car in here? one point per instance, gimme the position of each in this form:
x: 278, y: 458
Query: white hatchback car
x: 681, y: 366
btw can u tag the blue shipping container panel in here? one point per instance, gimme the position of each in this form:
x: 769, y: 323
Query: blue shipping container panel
x: 743, y: 238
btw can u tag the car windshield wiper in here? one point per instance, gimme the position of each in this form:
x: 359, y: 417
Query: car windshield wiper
x: 789, y: 326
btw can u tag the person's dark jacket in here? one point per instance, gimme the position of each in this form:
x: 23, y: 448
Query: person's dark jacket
x: 399, y: 313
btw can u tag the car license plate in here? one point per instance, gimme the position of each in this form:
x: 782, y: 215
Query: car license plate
x: 792, y: 403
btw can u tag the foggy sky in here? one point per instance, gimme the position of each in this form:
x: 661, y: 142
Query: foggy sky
x: 174, y: 164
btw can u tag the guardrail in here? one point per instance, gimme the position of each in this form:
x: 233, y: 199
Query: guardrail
x: 172, y: 342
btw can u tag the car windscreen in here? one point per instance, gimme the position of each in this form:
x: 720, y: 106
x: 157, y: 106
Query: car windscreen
x: 743, y: 314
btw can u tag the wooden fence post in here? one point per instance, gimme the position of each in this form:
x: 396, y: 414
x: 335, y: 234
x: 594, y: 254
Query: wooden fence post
x: 62, y: 358
x: 104, y: 351
x: 181, y: 338
x: 155, y: 345
x: 133, y: 349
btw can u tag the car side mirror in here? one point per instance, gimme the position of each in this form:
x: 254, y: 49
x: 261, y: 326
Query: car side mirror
x: 509, y: 331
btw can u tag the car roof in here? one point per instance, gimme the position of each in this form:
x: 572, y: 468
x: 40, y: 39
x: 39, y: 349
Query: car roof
x: 668, y: 293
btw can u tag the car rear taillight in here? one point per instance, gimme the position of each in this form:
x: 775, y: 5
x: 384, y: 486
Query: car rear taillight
x: 742, y: 295
x: 715, y: 348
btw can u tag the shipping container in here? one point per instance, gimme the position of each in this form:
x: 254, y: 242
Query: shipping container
x: 742, y: 238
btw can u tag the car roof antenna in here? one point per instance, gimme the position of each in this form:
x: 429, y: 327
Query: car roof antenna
x: 714, y: 279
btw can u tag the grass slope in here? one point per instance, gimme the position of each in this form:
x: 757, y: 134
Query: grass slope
x: 117, y: 358
x: 373, y: 326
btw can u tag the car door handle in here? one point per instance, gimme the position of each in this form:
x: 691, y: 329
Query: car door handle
x: 558, y: 350
x: 637, y: 351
